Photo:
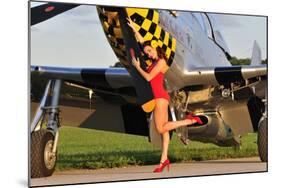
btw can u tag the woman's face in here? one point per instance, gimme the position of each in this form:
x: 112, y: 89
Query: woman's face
x: 150, y: 52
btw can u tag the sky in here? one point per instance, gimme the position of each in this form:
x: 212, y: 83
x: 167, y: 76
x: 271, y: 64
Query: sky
x: 76, y: 38
x: 240, y: 32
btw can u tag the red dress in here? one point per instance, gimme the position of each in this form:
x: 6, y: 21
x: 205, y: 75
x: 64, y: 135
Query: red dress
x: 157, y: 84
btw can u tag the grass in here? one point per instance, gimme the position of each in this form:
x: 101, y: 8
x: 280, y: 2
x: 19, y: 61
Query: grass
x: 91, y: 149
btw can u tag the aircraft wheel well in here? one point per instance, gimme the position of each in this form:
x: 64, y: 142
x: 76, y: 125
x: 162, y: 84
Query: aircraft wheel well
x: 135, y: 120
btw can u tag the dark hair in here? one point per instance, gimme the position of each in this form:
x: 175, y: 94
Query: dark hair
x: 160, y: 52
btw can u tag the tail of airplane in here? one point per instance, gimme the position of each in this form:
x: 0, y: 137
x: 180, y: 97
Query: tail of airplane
x: 256, y: 54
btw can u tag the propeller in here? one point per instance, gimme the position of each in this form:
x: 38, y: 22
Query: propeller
x: 143, y: 88
x: 46, y: 11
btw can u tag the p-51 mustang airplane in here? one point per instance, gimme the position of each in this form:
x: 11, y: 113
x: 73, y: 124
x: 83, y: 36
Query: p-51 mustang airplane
x: 231, y: 100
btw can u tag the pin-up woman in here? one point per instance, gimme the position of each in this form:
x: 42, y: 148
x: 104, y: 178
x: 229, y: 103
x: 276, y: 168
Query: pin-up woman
x: 155, y: 75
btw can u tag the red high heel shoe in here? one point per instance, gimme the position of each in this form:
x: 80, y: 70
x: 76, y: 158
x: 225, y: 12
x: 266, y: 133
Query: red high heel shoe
x: 163, y: 165
x: 196, y: 118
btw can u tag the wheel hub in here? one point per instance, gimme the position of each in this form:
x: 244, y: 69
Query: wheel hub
x: 49, y: 156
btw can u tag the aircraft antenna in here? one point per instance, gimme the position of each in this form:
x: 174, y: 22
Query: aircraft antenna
x: 90, y: 97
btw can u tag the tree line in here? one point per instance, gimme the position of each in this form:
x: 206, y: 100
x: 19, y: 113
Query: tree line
x: 246, y: 61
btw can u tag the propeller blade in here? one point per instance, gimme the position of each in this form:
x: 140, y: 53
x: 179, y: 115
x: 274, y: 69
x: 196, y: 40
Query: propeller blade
x: 46, y: 11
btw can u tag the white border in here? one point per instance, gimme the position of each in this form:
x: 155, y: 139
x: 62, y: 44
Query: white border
x: 230, y: 6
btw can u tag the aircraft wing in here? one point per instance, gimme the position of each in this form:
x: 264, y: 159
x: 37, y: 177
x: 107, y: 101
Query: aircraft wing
x: 114, y: 81
x: 216, y: 75
x: 228, y: 74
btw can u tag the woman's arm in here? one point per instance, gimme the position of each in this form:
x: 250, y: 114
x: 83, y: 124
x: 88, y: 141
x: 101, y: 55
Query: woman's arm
x: 149, y: 76
x: 137, y: 34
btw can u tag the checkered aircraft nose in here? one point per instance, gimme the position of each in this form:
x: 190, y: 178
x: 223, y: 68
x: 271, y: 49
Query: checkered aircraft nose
x: 146, y: 21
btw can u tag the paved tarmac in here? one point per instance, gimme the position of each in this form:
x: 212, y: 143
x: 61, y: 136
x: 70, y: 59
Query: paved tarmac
x: 215, y: 167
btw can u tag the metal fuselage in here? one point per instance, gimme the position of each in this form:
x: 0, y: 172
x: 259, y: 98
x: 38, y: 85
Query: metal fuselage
x: 194, y: 49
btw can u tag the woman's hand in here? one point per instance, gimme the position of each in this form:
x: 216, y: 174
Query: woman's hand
x: 137, y: 34
x: 131, y: 24
x: 136, y: 62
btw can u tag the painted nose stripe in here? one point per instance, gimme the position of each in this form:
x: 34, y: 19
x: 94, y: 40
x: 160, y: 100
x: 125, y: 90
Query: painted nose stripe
x: 227, y: 75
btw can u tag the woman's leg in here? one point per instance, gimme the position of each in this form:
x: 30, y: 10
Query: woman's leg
x: 163, y: 126
x: 165, y: 140
x: 161, y: 117
x: 165, y: 146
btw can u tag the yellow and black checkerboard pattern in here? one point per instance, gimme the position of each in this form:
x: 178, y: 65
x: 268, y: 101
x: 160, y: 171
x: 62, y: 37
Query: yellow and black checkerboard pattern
x: 111, y: 27
x: 146, y: 21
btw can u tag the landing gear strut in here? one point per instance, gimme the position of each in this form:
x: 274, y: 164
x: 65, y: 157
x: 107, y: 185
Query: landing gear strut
x: 44, y: 137
x: 178, y: 111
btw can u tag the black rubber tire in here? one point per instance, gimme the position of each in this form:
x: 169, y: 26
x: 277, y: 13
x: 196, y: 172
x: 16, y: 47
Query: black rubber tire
x: 39, y: 139
x: 263, y: 140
